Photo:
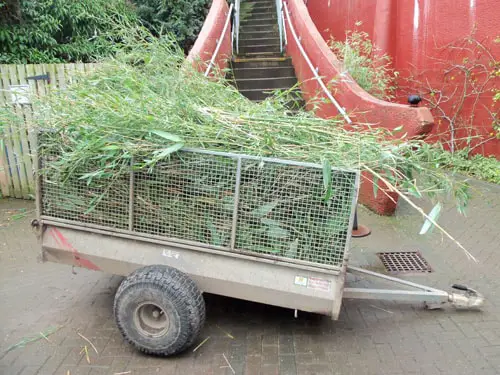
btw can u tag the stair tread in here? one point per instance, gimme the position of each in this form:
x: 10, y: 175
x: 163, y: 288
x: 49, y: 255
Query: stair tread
x: 258, y: 59
x: 262, y: 45
x: 273, y: 13
x: 260, y: 36
x: 245, y: 39
x: 265, y: 89
x: 260, y: 54
x: 265, y: 68
x: 265, y: 78
x: 249, y: 19
x: 263, y: 31
x: 260, y: 25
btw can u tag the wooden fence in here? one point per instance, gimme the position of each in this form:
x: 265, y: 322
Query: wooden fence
x: 20, y: 85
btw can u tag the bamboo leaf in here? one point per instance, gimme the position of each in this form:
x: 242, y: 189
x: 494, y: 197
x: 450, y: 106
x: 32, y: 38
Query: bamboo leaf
x: 111, y: 147
x: 277, y: 232
x: 292, y: 250
x: 434, y: 215
x: 169, y: 136
x: 270, y: 222
x: 327, y: 180
x: 264, y: 209
x: 163, y: 153
x: 216, y: 238
x: 414, y: 191
x: 375, y: 186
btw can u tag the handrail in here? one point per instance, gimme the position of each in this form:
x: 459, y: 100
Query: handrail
x: 316, y: 75
x: 219, y: 42
x: 285, y: 40
x: 236, y: 26
x: 279, y: 11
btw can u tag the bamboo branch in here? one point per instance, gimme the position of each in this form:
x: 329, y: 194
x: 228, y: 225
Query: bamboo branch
x: 394, y: 189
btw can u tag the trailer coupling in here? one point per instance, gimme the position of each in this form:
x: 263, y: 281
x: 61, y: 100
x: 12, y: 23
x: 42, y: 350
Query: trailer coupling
x: 469, y: 299
x: 466, y: 298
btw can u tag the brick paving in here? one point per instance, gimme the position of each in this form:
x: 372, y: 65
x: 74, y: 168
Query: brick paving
x: 371, y: 337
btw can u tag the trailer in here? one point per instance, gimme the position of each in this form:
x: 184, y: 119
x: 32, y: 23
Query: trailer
x: 261, y: 229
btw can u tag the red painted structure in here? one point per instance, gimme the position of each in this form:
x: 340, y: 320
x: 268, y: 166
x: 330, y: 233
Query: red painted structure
x: 415, y: 33
x: 363, y: 108
x: 205, y: 44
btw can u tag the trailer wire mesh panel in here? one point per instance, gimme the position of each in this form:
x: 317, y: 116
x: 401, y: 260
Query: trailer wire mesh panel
x: 228, y: 201
x: 189, y: 197
x: 105, y: 202
x: 404, y: 262
x: 283, y: 211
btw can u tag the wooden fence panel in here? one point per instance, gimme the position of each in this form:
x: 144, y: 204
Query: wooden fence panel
x: 20, y: 85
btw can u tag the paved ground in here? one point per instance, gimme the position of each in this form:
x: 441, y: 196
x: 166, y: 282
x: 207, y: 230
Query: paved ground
x: 370, y: 337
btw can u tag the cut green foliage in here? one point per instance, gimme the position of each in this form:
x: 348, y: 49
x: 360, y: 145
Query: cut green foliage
x: 327, y: 180
x: 132, y: 112
x: 27, y: 340
x: 367, y: 66
x: 264, y: 209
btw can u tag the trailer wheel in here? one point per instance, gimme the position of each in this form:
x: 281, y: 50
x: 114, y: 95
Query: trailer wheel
x: 159, y: 310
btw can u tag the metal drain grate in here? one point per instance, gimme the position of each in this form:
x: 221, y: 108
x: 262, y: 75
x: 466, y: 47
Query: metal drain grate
x: 404, y: 262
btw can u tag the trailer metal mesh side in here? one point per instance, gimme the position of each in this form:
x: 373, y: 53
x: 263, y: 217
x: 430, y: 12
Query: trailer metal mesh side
x: 103, y: 203
x: 234, y: 202
x: 190, y: 197
x: 283, y: 211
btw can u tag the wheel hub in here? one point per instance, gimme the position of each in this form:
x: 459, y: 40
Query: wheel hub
x: 151, y: 320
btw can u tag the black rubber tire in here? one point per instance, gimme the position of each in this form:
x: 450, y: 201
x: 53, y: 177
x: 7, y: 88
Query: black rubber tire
x: 175, y: 293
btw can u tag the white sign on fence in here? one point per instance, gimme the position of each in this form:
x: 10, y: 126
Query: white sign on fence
x: 20, y: 94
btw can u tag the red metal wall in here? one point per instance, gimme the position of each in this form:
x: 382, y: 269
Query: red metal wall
x: 415, y: 33
x: 364, y: 108
x: 205, y: 44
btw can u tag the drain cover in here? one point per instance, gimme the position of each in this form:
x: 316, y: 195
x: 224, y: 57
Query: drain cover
x: 404, y: 262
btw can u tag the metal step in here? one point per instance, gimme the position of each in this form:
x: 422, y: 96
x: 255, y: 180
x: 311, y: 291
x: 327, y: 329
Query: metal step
x: 258, y: 41
x: 273, y: 62
x: 263, y: 72
x: 260, y: 94
x: 261, y: 3
x: 266, y: 83
x: 253, y: 55
x: 259, y: 49
x: 264, y: 14
x: 258, y: 21
x: 262, y: 8
x: 270, y: 27
x: 258, y: 34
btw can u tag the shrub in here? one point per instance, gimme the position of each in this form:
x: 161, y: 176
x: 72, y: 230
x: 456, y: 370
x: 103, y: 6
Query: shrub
x: 50, y: 31
x: 182, y: 18
x: 370, y: 69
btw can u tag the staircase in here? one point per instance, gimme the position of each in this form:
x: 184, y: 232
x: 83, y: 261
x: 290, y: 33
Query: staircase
x: 259, y: 67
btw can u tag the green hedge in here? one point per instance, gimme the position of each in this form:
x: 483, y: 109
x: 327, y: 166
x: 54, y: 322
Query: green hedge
x: 183, y: 18
x: 51, y: 31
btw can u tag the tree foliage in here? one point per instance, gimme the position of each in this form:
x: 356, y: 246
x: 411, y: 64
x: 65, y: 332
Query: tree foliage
x: 182, y: 18
x: 51, y: 31
x: 42, y: 31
